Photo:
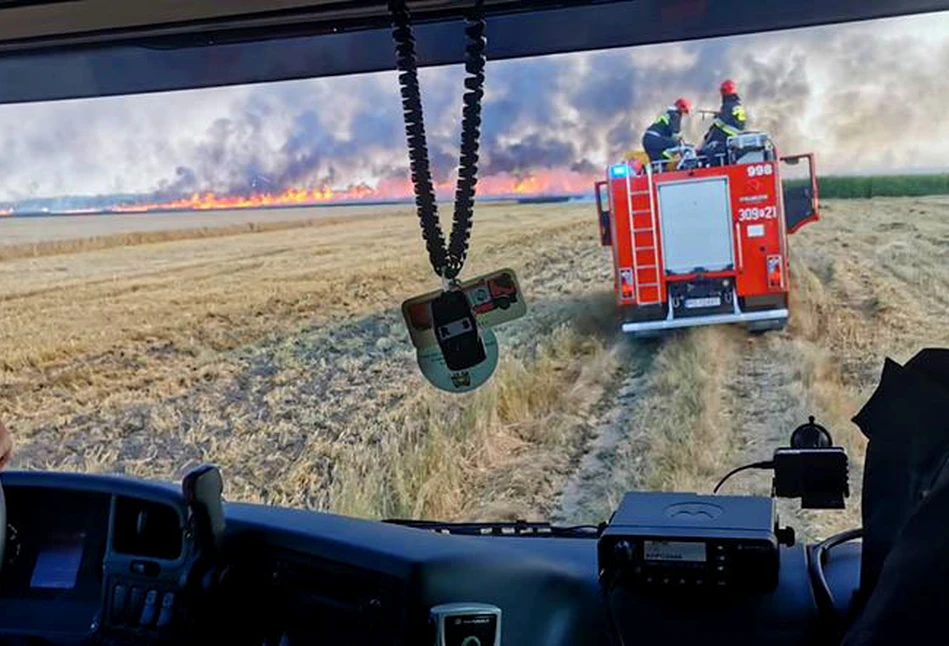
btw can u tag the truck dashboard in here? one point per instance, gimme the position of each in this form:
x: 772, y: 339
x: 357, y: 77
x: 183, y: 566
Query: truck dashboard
x: 110, y: 560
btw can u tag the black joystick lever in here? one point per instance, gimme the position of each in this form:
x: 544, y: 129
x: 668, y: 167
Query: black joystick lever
x: 202, y: 488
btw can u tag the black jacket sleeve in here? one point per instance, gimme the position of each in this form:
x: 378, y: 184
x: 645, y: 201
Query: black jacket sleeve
x: 675, y: 122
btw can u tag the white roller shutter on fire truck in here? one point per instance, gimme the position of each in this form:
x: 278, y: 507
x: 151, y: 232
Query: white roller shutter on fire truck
x: 696, y: 225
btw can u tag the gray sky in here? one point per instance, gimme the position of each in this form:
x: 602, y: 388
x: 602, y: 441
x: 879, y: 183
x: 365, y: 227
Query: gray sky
x: 866, y: 97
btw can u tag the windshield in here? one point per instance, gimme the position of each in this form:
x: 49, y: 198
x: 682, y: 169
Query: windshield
x: 216, y: 276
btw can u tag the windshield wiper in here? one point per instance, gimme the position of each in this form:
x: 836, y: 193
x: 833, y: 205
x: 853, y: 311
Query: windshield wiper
x: 520, y: 528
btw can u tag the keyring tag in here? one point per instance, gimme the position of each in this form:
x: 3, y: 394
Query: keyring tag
x: 451, y: 328
x: 495, y: 298
x: 433, y: 366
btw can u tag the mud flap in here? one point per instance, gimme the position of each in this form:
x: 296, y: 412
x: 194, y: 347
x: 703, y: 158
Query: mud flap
x: 801, y: 200
x: 760, y: 327
x: 601, y: 190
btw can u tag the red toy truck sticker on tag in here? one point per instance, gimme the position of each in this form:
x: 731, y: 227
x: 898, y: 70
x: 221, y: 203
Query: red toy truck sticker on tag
x: 495, y: 298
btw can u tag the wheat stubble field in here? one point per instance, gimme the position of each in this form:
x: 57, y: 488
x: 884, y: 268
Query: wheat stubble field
x: 273, y: 346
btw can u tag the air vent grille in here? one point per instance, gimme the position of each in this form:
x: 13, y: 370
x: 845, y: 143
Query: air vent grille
x: 147, y: 529
x: 316, y: 601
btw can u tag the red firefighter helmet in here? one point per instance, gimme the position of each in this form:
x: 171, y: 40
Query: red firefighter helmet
x: 728, y: 87
x: 683, y: 105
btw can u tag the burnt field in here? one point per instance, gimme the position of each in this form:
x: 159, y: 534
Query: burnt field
x: 273, y: 346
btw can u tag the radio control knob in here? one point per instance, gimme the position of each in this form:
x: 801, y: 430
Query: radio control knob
x: 623, y: 552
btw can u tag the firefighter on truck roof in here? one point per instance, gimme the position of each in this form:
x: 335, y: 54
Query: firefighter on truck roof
x: 730, y: 120
x: 664, y: 133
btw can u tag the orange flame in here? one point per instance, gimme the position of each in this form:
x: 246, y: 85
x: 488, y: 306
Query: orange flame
x: 527, y: 185
x: 551, y: 181
x: 209, y: 200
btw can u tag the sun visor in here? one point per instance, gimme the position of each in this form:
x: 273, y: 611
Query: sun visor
x: 88, y: 56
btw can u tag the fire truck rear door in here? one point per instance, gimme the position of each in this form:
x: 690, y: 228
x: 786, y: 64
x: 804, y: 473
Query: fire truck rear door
x: 696, y: 225
x: 800, y: 196
x: 602, y: 192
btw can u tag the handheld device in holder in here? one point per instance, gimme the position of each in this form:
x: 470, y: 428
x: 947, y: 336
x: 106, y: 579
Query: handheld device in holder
x: 811, y: 469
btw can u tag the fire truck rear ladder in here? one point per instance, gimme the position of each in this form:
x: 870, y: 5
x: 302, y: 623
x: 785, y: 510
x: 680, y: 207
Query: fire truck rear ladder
x: 651, y: 231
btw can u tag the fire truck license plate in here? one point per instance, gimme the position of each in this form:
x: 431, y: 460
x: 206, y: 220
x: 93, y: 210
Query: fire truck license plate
x: 711, y: 301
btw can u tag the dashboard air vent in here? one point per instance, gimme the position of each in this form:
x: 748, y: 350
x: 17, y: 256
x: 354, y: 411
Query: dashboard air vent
x: 147, y: 529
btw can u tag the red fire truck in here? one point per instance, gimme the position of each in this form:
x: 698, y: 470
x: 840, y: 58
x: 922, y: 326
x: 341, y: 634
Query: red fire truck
x: 703, y: 241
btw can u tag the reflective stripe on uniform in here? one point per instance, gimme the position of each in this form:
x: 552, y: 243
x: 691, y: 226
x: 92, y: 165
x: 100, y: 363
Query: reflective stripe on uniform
x: 731, y: 131
x: 653, y: 133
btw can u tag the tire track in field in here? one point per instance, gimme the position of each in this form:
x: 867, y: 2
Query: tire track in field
x: 765, y: 402
x: 587, y: 496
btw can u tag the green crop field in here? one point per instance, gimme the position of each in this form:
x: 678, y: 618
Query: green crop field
x: 883, y: 186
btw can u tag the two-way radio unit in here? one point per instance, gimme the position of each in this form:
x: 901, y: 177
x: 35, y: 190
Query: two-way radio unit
x: 686, y: 542
x: 691, y: 543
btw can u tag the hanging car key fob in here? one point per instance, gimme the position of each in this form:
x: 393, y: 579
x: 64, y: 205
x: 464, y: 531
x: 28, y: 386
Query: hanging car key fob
x: 456, y: 330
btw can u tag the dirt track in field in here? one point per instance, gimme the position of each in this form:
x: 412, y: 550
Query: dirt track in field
x: 280, y: 355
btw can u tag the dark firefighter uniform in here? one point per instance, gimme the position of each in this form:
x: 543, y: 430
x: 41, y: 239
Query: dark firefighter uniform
x: 730, y: 120
x: 663, y: 134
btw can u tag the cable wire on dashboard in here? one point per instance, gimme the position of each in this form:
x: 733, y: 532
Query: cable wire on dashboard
x: 765, y: 464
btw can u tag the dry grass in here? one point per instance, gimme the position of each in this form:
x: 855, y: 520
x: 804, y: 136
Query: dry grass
x: 682, y: 418
x: 279, y: 353
x: 436, y: 457
x: 135, y: 238
x: 100, y: 323
x: 281, y: 356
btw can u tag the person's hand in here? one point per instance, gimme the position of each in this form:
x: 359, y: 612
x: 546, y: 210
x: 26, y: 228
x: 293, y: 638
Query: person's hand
x: 6, y: 445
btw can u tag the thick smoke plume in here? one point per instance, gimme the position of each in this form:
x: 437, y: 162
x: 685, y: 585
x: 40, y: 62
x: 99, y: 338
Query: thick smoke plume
x: 865, y: 97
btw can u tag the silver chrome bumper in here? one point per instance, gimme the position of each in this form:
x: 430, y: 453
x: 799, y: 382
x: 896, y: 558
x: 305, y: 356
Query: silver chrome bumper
x: 711, y: 319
